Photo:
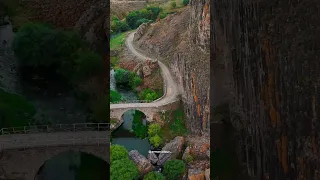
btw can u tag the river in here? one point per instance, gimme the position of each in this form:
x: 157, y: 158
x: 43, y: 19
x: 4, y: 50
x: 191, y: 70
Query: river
x: 73, y: 166
x: 123, y: 135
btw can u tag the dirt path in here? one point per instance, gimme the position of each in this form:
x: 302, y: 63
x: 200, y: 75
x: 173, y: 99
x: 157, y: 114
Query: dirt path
x: 172, y: 91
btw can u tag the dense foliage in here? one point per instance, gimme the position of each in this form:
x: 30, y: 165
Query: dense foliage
x: 154, y: 176
x: 177, y: 126
x: 139, y: 129
x: 174, y: 169
x: 148, y: 14
x: 154, y: 129
x: 118, y: 26
x: 63, y: 52
x: 185, y: 2
x: 123, y: 169
x: 118, y: 152
x: 14, y: 110
x: 127, y: 78
x: 149, y: 94
x: 115, y: 96
x: 155, y: 140
x: 173, y: 4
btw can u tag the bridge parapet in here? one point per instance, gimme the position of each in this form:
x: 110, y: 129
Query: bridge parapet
x: 56, y: 128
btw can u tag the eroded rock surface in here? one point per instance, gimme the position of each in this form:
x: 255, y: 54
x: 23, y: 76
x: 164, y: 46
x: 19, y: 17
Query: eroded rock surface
x: 175, y: 146
x: 143, y: 164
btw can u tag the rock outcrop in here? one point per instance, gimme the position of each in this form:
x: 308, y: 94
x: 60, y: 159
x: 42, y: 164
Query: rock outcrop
x: 141, y: 162
x: 153, y: 158
x: 271, y: 60
x: 175, y: 147
x: 141, y: 30
x: 196, y: 174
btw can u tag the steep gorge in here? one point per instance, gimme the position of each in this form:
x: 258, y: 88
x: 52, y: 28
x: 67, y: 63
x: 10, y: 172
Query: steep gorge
x: 266, y: 68
x: 181, y: 40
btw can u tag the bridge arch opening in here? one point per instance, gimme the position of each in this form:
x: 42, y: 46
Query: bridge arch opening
x: 73, y: 165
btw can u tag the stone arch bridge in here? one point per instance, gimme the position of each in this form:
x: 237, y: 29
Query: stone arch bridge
x: 23, y: 150
x: 168, y: 101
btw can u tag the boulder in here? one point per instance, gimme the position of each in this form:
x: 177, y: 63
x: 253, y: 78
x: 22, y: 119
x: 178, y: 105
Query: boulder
x: 142, y: 163
x: 153, y: 158
x: 146, y: 71
x: 175, y: 147
x: 207, y: 174
x: 196, y: 174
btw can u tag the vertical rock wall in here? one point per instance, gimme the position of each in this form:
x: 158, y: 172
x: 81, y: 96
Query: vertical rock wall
x: 269, y: 51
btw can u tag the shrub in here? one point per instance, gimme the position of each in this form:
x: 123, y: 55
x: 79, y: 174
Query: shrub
x: 141, y: 21
x: 115, y: 96
x: 149, y: 95
x: 135, y: 80
x: 155, y: 10
x: 154, y: 176
x: 118, y: 26
x: 123, y: 169
x: 118, y: 152
x: 88, y: 64
x: 15, y: 110
x: 173, y: 4
x: 122, y: 77
x: 163, y: 15
x: 136, y: 18
x: 156, y: 140
x: 154, y: 129
x: 189, y: 158
x: 178, y: 126
x: 185, y: 2
x: 174, y: 169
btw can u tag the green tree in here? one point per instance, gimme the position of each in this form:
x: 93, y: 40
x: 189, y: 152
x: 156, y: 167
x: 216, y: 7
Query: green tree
x: 174, y: 169
x: 139, y: 129
x: 185, y: 2
x: 155, y: 10
x: 155, y: 140
x: 135, y: 80
x: 148, y: 94
x: 118, y: 26
x: 154, y: 176
x: 154, y: 129
x: 122, y: 77
x: 123, y: 169
x: 118, y: 152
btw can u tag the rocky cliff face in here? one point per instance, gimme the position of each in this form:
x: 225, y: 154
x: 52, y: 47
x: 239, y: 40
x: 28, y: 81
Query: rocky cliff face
x: 87, y: 16
x: 268, y: 51
x: 182, y: 41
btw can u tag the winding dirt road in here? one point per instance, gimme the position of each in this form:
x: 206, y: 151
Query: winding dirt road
x: 172, y: 91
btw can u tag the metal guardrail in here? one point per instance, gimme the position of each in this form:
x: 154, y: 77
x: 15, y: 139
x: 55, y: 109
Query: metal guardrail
x: 56, y: 128
x: 131, y: 101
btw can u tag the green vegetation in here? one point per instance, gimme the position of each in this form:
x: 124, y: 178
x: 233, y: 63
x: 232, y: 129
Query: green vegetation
x: 185, y: 2
x: 174, y: 124
x: 117, y: 41
x: 118, y: 152
x: 114, y: 60
x: 123, y: 169
x: 154, y: 176
x: 139, y: 129
x: 118, y: 26
x: 15, y: 110
x: 155, y: 140
x: 189, y: 158
x: 127, y: 78
x: 173, y: 4
x: 154, y: 129
x: 163, y: 15
x: 147, y: 14
x: 174, y: 169
x: 149, y: 95
x: 153, y: 133
x: 115, y: 96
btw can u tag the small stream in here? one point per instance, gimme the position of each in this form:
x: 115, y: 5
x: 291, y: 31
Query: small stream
x: 124, y: 135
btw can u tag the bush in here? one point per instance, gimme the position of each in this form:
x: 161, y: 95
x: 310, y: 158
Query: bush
x: 123, y: 169
x: 155, y: 11
x: 141, y: 21
x: 174, y: 169
x: 88, y: 64
x: 156, y: 140
x: 118, y: 26
x: 115, y: 96
x: 136, y: 18
x: 139, y: 129
x: 173, y: 4
x: 135, y: 80
x: 185, y: 2
x: 118, y: 152
x: 149, y: 95
x: 154, y: 129
x: 163, y: 15
x: 15, y: 110
x: 154, y: 176
x: 178, y: 126
x: 122, y: 76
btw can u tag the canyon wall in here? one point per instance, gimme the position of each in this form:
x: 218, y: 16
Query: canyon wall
x: 182, y: 40
x: 267, y: 52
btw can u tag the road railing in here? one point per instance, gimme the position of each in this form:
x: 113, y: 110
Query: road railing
x: 56, y: 128
x: 131, y: 101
